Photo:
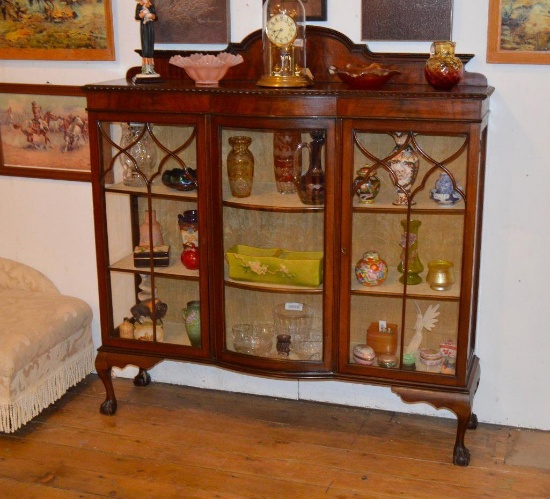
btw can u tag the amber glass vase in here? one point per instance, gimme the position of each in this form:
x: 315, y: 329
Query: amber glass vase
x: 443, y: 69
x: 240, y: 166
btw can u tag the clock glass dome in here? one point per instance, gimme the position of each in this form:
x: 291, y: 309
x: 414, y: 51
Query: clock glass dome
x: 284, y: 44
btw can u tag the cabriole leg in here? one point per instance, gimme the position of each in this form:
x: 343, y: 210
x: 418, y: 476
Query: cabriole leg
x: 109, y: 406
x: 142, y: 378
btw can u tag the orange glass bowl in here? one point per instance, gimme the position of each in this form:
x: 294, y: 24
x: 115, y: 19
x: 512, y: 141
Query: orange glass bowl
x: 363, y: 76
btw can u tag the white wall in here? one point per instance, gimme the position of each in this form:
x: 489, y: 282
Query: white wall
x: 48, y: 224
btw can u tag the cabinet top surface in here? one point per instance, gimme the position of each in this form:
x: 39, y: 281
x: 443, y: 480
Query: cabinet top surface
x: 241, y: 87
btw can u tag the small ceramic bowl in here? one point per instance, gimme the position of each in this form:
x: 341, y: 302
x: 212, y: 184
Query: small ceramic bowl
x: 179, y: 180
x: 431, y: 357
x: 206, y: 70
x: 387, y: 360
x: 363, y: 76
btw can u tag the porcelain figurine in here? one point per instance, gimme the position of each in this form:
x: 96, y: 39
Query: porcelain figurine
x: 444, y: 192
x: 144, y: 331
x: 146, y: 14
x: 426, y: 320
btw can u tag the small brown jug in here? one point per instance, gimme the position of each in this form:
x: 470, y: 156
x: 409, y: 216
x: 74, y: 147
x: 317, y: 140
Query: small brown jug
x: 311, y: 184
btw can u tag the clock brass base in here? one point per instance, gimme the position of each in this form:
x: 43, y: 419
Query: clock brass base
x: 284, y: 81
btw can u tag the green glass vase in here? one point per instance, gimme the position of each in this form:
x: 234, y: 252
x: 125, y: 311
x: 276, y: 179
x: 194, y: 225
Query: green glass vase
x: 409, y: 253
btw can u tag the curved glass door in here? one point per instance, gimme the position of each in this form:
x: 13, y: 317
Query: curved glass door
x: 151, y: 178
x: 407, y: 192
x: 274, y: 246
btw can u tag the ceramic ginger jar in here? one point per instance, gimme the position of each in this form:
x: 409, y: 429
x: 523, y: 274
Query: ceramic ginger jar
x: 365, y: 186
x: 371, y: 270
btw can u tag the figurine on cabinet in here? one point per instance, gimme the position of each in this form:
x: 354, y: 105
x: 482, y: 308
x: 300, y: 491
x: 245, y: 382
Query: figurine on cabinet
x: 444, y: 192
x: 145, y: 309
x: 426, y: 320
x: 143, y: 320
x: 146, y: 14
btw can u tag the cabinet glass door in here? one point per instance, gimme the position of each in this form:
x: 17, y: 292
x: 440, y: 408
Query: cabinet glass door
x: 407, y: 192
x: 150, y: 179
x: 274, y: 247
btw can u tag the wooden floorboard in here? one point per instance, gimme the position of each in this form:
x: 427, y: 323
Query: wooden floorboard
x: 171, y: 441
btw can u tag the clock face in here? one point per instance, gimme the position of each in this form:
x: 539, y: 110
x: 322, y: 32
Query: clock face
x: 281, y: 30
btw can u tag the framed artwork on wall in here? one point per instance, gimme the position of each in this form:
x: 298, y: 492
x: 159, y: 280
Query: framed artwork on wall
x: 519, y: 32
x: 421, y: 20
x: 50, y: 30
x: 316, y: 10
x: 44, y: 132
x: 192, y: 21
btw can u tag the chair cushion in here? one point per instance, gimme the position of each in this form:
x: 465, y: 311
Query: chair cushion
x: 33, y: 323
x: 46, y: 348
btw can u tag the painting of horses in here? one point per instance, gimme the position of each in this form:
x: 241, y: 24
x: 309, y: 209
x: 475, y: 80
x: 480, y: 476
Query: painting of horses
x: 519, y: 31
x: 56, y: 30
x: 45, y: 132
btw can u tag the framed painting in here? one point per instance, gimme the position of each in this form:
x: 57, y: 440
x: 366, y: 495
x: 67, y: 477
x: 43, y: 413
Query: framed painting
x: 44, y: 132
x: 403, y: 20
x: 519, y: 31
x: 54, y: 30
x: 192, y: 21
x: 316, y: 10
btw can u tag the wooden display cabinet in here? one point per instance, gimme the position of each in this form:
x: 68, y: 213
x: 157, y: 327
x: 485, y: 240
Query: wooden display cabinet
x: 189, y: 129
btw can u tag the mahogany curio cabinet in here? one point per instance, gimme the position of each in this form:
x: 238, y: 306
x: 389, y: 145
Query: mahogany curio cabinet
x: 188, y: 129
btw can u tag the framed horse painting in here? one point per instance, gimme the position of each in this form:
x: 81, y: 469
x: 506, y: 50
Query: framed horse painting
x: 70, y: 30
x: 44, y: 132
x: 519, y: 32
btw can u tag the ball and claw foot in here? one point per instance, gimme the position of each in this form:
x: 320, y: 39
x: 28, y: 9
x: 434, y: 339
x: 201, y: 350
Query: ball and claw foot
x: 461, y: 456
x: 108, y: 408
x: 142, y: 378
x: 472, y: 422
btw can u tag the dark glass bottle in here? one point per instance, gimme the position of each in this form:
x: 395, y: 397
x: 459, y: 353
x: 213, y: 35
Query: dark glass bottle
x: 311, y: 184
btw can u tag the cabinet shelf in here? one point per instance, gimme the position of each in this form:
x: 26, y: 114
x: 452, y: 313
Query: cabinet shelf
x: 175, y: 269
x: 427, y: 207
x: 275, y: 288
x: 157, y: 191
x: 392, y: 287
x: 265, y: 197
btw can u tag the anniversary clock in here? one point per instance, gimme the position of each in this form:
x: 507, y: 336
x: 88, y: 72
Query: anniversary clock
x: 284, y: 45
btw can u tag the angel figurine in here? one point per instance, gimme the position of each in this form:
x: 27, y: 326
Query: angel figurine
x: 423, y: 321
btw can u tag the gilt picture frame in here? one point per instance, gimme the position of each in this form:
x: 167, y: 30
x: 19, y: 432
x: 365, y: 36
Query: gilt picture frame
x: 51, y: 30
x: 316, y: 10
x: 518, y: 32
x: 44, y: 132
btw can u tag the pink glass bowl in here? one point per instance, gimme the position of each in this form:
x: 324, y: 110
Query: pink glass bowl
x: 206, y: 70
x: 363, y: 76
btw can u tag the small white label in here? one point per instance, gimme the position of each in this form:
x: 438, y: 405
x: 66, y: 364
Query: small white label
x: 299, y: 42
x: 294, y: 306
x: 382, y: 325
